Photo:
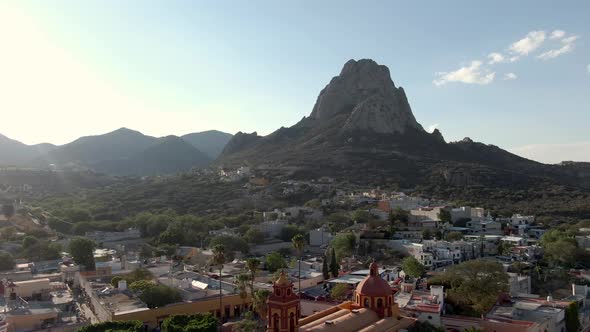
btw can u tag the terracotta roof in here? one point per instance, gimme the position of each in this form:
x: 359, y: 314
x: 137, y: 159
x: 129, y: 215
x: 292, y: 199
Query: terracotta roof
x: 373, y: 284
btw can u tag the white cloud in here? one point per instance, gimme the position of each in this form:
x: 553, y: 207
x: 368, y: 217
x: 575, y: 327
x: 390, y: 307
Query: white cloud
x: 555, y: 153
x: 472, y: 74
x: 566, y: 48
x: 569, y: 39
x: 557, y: 34
x: 528, y: 44
x: 432, y: 127
x: 510, y: 76
x: 495, y: 58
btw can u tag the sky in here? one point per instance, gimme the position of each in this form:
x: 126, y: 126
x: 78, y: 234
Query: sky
x: 515, y: 74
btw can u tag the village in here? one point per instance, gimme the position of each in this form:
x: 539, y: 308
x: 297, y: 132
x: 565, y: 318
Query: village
x: 411, y: 242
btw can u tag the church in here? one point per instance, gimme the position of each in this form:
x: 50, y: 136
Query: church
x: 372, y: 309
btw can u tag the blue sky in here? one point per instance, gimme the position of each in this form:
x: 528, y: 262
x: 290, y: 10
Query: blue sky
x: 174, y: 67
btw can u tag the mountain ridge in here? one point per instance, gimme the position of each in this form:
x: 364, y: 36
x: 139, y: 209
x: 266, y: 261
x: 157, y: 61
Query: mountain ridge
x: 362, y: 129
x: 119, y: 152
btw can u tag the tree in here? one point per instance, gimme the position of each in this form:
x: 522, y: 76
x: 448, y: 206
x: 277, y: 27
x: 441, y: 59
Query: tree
x: 413, y: 267
x: 8, y: 210
x: 445, y: 216
x: 572, y: 317
x: 274, y: 262
x: 159, y: 296
x: 241, y: 283
x: 252, y: 265
x: 559, y: 248
x: 339, y: 292
x: 454, y: 236
x: 398, y: 215
x: 427, y: 234
x: 190, y: 323
x: 362, y: 216
x: 115, y: 281
x: 288, y: 232
x: 334, y: 267
x: 114, y: 326
x: 298, y: 242
x: 219, y: 259
x: 230, y: 244
x: 259, y: 302
x: 338, y: 221
x: 6, y: 261
x: 141, y: 285
x: 82, y: 250
x: 424, y: 327
x: 248, y: 324
x: 344, y: 245
x: 438, y: 235
x: 29, y: 241
x: 325, y: 269
x: 475, y: 283
x: 254, y: 236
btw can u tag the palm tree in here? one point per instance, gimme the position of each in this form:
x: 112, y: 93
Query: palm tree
x: 219, y: 259
x: 298, y: 242
x: 252, y: 265
x: 242, y: 286
x: 259, y: 303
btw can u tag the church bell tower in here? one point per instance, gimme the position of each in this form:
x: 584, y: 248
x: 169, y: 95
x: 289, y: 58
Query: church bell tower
x: 283, y: 307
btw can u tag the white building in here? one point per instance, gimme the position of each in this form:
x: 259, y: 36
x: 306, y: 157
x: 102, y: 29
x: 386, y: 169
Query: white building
x: 518, y: 219
x: 320, y: 237
x: 467, y: 212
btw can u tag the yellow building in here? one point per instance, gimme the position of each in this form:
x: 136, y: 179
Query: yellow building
x: 372, y: 310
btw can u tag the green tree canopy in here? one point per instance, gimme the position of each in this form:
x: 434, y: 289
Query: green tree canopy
x: 445, y: 216
x: 274, y: 262
x: 454, y: 236
x: 254, y: 236
x: 159, y: 296
x: 114, y: 326
x: 344, y: 245
x: 289, y: 231
x: 474, y: 283
x: 339, y: 292
x: 190, y: 323
x: 334, y: 266
x: 6, y: 261
x: 399, y: 215
x: 338, y: 221
x: 82, y: 250
x: 230, y: 243
x: 413, y: 267
x: 141, y: 285
x: 362, y: 216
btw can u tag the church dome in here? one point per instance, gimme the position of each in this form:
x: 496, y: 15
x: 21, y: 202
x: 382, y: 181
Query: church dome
x: 373, y: 284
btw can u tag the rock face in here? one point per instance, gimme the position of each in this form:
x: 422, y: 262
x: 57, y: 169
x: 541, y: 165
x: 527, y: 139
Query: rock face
x: 362, y: 129
x: 365, y: 90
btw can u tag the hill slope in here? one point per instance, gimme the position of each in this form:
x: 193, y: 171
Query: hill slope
x: 362, y: 129
x: 211, y: 142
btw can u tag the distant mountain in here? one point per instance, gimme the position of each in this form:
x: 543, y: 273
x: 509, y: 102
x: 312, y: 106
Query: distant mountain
x: 15, y: 153
x: 210, y: 142
x: 167, y: 155
x: 120, y: 152
x: 362, y: 129
x: 88, y: 150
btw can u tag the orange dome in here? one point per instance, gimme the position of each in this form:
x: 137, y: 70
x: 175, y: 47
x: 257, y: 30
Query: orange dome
x: 373, y: 284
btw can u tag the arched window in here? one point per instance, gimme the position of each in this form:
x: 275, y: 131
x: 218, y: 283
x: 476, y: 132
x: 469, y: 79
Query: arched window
x: 278, y: 292
x: 379, y: 303
x: 292, y: 322
x: 275, y: 322
x: 366, y: 303
x: 288, y: 291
